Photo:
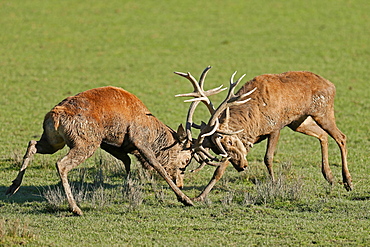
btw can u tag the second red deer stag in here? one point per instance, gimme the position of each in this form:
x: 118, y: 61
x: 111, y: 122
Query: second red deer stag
x: 301, y: 100
x: 118, y: 122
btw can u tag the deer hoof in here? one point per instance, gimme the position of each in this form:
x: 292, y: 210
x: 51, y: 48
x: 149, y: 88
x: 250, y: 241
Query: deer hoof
x: 348, y: 186
x: 189, y: 203
x: 198, y: 199
x: 77, y: 211
x: 12, y: 189
x: 186, y: 201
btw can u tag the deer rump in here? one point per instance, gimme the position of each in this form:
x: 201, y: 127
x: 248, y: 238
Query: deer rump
x: 301, y: 100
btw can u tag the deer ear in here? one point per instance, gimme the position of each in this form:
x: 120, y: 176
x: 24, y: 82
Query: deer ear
x: 181, y: 133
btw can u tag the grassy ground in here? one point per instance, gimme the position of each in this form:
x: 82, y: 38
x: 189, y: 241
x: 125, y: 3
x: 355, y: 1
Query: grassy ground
x: 53, y: 49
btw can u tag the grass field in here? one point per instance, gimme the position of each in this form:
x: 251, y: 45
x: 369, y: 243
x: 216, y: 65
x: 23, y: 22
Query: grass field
x: 53, y: 49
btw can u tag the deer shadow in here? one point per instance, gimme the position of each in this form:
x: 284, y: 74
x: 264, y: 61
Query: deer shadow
x: 25, y: 194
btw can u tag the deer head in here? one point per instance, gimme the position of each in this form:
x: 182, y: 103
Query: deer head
x: 177, y: 157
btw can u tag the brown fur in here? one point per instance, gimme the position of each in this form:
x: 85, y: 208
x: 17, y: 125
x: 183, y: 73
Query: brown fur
x: 303, y: 101
x: 118, y: 122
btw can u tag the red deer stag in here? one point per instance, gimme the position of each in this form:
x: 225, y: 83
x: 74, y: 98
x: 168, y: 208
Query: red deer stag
x: 301, y: 100
x: 118, y: 122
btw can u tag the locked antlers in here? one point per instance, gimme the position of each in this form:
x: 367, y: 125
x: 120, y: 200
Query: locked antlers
x: 211, y: 129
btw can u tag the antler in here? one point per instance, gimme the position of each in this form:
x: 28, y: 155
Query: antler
x: 213, y: 124
x: 231, y: 100
x: 199, y: 96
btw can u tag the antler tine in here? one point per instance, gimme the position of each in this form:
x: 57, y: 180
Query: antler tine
x: 203, y: 158
x: 193, y: 80
x: 217, y: 141
x: 206, y: 93
x: 200, y: 167
x: 203, y: 76
x: 231, y: 99
x: 199, y: 94
x: 198, y: 86
x: 203, y: 161
x: 214, y: 129
x: 189, y: 119
x: 206, y: 153
x: 248, y: 93
x: 234, y: 84
x: 231, y: 95
x: 197, y: 90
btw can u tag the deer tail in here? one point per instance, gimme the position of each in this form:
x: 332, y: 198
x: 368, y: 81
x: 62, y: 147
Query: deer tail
x: 54, y: 117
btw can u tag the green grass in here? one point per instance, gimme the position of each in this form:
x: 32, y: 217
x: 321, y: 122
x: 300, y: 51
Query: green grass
x: 53, y: 49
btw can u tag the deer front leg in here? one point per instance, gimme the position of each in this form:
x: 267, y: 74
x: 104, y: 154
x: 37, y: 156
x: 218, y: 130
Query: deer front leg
x: 270, y: 150
x: 118, y: 153
x: 149, y: 156
x: 217, y: 175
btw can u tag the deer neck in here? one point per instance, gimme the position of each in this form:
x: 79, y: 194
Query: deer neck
x: 240, y: 119
x: 164, y: 143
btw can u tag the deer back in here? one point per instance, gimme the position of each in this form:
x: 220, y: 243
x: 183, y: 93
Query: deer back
x: 110, y: 115
x: 279, y: 99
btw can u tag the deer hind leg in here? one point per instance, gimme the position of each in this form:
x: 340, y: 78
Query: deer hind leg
x: 217, y: 175
x: 329, y: 125
x: 126, y: 161
x: 75, y: 156
x: 118, y: 153
x: 310, y: 127
x: 270, y: 150
x: 42, y: 146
